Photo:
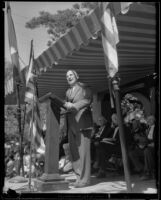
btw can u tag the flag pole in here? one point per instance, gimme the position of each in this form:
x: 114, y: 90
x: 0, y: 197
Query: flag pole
x: 110, y: 39
x: 23, y: 130
x: 18, y: 85
x: 115, y: 82
x: 24, y: 118
x: 17, y: 77
x: 31, y: 142
x: 31, y: 128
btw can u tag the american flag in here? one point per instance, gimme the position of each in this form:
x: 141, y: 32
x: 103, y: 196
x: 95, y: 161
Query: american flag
x: 9, y: 86
x: 110, y: 35
x: 17, y: 76
x: 110, y: 38
x: 33, y: 109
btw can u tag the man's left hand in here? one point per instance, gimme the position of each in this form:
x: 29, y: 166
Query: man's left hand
x: 68, y: 105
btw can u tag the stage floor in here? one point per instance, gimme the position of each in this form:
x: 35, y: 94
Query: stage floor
x: 113, y: 183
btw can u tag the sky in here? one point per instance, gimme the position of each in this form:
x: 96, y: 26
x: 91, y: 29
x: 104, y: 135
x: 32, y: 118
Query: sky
x: 21, y: 13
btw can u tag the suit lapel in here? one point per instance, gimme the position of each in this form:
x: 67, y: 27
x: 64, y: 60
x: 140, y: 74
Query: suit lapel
x: 75, y: 92
x: 72, y: 93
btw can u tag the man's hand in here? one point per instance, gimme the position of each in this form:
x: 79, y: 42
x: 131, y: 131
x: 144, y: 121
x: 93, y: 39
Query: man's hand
x: 68, y: 105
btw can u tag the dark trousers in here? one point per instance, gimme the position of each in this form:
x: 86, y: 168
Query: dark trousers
x: 93, y: 151
x: 149, y: 160
x: 105, y: 152
x: 136, y: 157
x: 143, y: 159
x: 61, y: 150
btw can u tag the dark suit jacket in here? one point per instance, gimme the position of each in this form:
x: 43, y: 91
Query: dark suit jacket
x: 127, y: 134
x: 109, y: 132
x: 105, y: 133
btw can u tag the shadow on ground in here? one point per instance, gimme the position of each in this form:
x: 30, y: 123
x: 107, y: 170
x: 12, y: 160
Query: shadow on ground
x: 113, y: 183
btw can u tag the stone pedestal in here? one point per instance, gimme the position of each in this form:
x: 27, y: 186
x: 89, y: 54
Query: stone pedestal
x: 50, y: 182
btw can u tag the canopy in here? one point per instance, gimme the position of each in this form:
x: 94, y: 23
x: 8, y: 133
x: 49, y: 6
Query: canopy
x: 81, y: 49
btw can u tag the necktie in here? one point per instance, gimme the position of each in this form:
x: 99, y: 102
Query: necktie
x: 116, y: 129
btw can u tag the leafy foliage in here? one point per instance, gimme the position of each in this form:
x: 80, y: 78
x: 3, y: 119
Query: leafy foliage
x: 61, y: 22
x: 11, y: 122
x: 132, y: 108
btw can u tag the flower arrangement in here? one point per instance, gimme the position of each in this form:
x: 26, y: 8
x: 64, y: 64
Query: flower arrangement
x: 132, y: 108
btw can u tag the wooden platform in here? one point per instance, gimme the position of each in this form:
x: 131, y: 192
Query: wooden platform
x: 113, y: 183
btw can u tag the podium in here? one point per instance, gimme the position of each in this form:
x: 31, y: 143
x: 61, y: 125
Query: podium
x: 51, y: 180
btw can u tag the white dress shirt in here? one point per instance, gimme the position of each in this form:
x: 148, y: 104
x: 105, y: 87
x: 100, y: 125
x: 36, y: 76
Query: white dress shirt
x: 150, y: 133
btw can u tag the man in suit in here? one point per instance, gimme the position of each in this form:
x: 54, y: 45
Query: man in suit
x: 79, y: 123
x: 150, y: 150
x: 101, y: 133
x: 108, y: 147
x: 142, y: 156
x: 111, y: 145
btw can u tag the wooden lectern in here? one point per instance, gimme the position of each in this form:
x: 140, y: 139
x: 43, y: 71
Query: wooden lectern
x: 51, y: 180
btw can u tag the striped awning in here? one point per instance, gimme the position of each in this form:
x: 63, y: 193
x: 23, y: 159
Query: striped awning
x: 81, y: 49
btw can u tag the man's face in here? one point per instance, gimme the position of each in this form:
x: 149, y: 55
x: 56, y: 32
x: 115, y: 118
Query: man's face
x: 114, y: 119
x: 71, y: 79
x: 150, y: 121
x: 101, y: 122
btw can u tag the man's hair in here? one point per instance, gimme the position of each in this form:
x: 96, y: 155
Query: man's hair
x: 103, y: 119
x: 74, y: 72
x: 151, y: 117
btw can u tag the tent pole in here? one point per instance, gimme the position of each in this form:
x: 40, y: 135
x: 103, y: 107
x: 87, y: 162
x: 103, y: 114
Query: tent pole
x: 115, y: 82
x: 20, y: 130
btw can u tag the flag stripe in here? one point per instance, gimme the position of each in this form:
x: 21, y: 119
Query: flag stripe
x: 29, y: 97
x: 9, y: 86
x: 13, y: 46
x: 110, y: 51
x: 37, y: 110
x: 109, y: 38
x: 33, y: 107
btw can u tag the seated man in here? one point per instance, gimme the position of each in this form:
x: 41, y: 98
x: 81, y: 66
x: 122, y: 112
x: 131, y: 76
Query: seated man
x: 149, y: 152
x: 142, y: 156
x: 139, y: 140
x: 101, y: 133
x: 110, y: 145
x: 138, y: 131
